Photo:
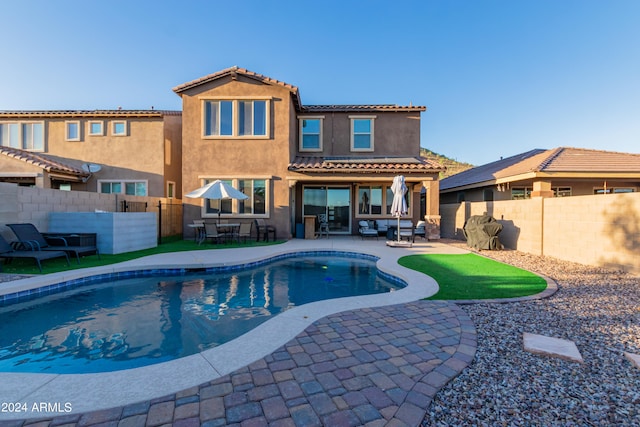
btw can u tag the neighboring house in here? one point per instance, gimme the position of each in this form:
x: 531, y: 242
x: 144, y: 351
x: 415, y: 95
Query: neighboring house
x: 104, y: 151
x: 294, y: 160
x: 558, y: 172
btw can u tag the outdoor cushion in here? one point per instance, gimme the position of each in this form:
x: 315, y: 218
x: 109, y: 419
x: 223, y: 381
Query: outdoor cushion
x: 366, y: 231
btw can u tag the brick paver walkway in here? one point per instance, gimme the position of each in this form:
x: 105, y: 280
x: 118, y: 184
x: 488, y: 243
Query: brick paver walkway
x: 374, y: 366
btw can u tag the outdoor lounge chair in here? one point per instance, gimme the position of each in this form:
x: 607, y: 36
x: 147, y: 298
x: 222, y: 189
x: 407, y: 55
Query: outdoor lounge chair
x: 264, y: 230
x: 9, y: 253
x: 31, y: 239
x: 366, y: 230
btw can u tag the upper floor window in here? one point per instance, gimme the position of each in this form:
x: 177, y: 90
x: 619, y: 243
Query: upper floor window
x: 25, y: 136
x: 119, y: 128
x: 72, y: 131
x: 362, y: 133
x: 235, y: 118
x: 96, y: 128
x: 252, y: 118
x: 311, y: 133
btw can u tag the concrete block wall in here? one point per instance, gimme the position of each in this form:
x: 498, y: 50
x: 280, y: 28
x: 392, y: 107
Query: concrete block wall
x: 601, y: 230
x: 34, y: 205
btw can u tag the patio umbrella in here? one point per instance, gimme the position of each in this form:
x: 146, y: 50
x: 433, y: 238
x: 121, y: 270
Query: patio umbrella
x: 399, y: 204
x: 217, y: 190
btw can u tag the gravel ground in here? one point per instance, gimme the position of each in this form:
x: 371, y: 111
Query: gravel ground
x: 596, y: 308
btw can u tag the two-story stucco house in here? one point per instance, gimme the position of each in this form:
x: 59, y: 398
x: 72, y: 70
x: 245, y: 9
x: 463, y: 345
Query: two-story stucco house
x: 294, y: 160
x: 106, y: 151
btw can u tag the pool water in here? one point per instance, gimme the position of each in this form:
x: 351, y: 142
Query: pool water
x: 133, y: 322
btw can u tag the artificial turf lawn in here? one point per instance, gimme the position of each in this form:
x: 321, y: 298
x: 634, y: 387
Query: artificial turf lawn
x: 28, y: 266
x: 469, y: 276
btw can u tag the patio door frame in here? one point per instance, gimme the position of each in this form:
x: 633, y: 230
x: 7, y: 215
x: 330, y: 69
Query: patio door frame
x: 331, y: 215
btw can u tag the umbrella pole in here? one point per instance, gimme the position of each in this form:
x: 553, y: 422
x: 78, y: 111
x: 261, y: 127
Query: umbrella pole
x: 398, y: 228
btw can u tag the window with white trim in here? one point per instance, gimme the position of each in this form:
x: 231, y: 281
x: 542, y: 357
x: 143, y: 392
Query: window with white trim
x: 255, y: 206
x: 72, y: 130
x: 23, y: 135
x: 231, y: 118
x: 362, y: 134
x: 311, y: 133
x: 119, y: 128
x: 372, y: 198
x: 96, y: 128
x: 131, y: 188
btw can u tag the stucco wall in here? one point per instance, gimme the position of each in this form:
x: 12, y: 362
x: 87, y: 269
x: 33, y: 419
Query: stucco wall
x: 241, y: 158
x: 601, y: 230
x: 395, y: 133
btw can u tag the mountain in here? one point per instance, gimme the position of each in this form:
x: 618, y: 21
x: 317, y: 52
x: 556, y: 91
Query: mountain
x: 453, y: 167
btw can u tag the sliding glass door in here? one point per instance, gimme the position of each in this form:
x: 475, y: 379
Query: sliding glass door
x: 334, y: 202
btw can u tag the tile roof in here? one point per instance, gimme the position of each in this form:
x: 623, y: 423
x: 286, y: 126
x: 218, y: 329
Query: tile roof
x: 364, y: 164
x: 233, y: 71
x: 46, y: 162
x: 85, y: 113
x: 375, y: 107
x: 560, y: 160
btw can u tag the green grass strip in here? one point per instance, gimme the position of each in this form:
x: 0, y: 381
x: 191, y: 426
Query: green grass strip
x: 469, y: 276
x: 28, y: 266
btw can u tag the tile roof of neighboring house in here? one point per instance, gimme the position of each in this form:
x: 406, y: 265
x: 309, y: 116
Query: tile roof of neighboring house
x: 47, y: 162
x: 233, y: 71
x: 342, y: 108
x: 360, y: 164
x: 87, y: 113
x: 554, y: 161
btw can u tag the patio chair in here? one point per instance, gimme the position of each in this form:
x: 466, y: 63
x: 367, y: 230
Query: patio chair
x: 323, y: 227
x: 9, y: 253
x: 245, y: 231
x: 420, y: 230
x: 406, y: 232
x: 367, y: 231
x: 211, y: 232
x: 30, y: 238
x: 263, y: 229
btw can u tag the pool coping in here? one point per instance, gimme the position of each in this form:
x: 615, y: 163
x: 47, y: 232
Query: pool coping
x: 89, y: 392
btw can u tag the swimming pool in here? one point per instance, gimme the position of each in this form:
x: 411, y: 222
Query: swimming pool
x: 138, y: 321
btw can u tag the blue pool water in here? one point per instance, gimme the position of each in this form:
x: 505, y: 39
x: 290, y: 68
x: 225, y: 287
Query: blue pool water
x: 138, y: 321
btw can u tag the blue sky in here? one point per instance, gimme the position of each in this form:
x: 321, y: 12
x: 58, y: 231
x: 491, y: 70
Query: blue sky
x: 498, y: 77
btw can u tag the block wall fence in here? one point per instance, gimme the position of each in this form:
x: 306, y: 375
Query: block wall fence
x: 599, y: 230
x: 31, y: 204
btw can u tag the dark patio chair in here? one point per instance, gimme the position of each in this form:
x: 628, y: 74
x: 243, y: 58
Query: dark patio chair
x: 263, y: 229
x: 7, y: 252
x: 30, y: 238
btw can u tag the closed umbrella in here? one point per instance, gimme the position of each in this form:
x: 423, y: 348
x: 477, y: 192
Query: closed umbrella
x: 217, y: 190
x: 399, y: 204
